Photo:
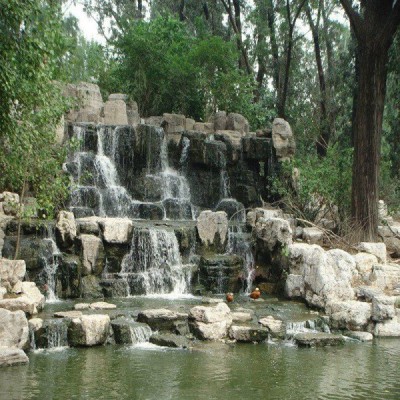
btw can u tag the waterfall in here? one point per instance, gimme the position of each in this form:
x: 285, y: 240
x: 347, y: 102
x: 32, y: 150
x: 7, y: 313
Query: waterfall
x: 153, y: 265
x: 50, y: 261
x: 57, y: 334
x: 311, y: 325
x: 239, y: 243
x: 225, y: 190
x: 140, y: 333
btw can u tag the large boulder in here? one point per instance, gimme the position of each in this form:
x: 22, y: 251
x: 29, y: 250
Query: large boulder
x: 12, y: 272
x: 219, y: 119
x: 389, y: 328
x: 319, y: 276
x: 115, y: 111
x: 248, y: 334
x: 275, y: 233
x: 12, y: 356
x: 9, y: 203
x: 165, y: 320
x: 383, y: 308
x: 116, y: 230
x: 127, y: 331
x: 212, y: 227
x: 65, y: 229
x: 283, y: 139
x: 377, y: 249
x: 92, y: 254
x: 210, y: 323
x: 170, y: 340
x: 236, y: 122
x: 14, y: 330
x: 385, y: 277
x: 89, y: 102
x: 89, y: 330
x: 352, y: 315
x: 318, y: 339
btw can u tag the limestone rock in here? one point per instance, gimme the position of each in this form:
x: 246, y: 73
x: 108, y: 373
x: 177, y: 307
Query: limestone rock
x: 273, y: 325
x: 173, y: 123
x: 14, y: 330
x: 392, y: 246
x: 319, y: 276
x: 210, y: 323
x: 318, y: 339
x: 11, y: 356
x: 248, y: 334
x: 274, y: 232
x: 313, y: 235
x: 164, y: 320
x: 241, y: 316
x: 383, y: 308
x: 11, y: 273
x: 205, y: 127
x: 9, y: 203
x: 89, y: 330
x: 22, y: 303
x: 127, y: 331
x: 102, y: 305
x: 282, y: 139
x: 389, y: 328
x: 257, y: 213
x: 364, y: 264
x: 219, y: 119
x: 90, y: 102
x: 92, y: 254
x: 3, y: 292
x: 189, y: 124
x: 65, y: 229
x: 170, y: 340
x: 212, y: 227
x: 68, y: 314
x: 361, y: 336
x: 352, y: 315
x: 115, y: 112
x: 236, y: 122
x: 385, y: 276
x: 116, y: 230
x: 31, y: 291
x: 81, y: 306
x: 377, y: 249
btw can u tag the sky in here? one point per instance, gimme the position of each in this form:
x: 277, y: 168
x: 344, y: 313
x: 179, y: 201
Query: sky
x: 87, y: 25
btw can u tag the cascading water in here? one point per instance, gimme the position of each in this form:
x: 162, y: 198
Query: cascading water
x: 139, y: 333
x: 240, y: 243
x: 49, y: 259
x: 153, y: 265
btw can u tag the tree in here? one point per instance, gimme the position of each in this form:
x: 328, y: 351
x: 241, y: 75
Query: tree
x: 374, y: 28
x: 31, y: 104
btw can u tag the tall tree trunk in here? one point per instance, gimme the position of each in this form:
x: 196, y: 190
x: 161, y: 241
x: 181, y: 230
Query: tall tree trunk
x: 325, y: 130
x: 374, y: 30
x: 274, y: 46
x: 367, y: 138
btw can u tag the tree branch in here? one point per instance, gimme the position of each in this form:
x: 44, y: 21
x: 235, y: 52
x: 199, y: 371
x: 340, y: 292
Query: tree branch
x: 355, y: 18
x: 394, y: 20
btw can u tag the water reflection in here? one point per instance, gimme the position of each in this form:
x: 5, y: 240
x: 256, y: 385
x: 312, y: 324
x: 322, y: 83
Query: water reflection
x: 209, y: 371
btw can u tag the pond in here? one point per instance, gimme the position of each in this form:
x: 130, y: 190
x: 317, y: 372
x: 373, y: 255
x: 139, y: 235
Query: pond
x: 271, y: 370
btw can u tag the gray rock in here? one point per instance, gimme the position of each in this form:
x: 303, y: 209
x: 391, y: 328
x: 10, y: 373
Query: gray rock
x: 89, y: 330
x: 92, y: 254
x: 361, y: 336
x: 170, y: 340
x: 68, y: 314
x: 212, y: 227
x: 313, y: 235
x: 248, y: 334
x: 210, y: 323
x: 14, y: 329
x: 127, y: 331
x: 116, y: 230
x: 12, y: 356
x: 389, y: 328
x: 12, y: 272
x: 242, y: 316
x: 65, y: 229
x: 115, y: 112
x: 236, y: 122
x: 383, y: 308
x: 273, y: 325
x: 165, y: 320
x: 282, y: 139
x: 377, y: 249
x: 275, y: 233
x: 318, y: 339
x: 352, y: 315
x: 102, y: 305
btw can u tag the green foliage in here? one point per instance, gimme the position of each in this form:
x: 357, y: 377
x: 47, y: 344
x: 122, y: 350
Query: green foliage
x: 165, y: 68
x: 31, y: 105
x: 311, y: 187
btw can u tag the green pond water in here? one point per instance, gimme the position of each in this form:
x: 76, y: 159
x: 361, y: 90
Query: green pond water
x: 210, y: 370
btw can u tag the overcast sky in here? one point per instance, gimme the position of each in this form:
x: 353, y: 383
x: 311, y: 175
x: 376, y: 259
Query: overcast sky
x: 87, y: 25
